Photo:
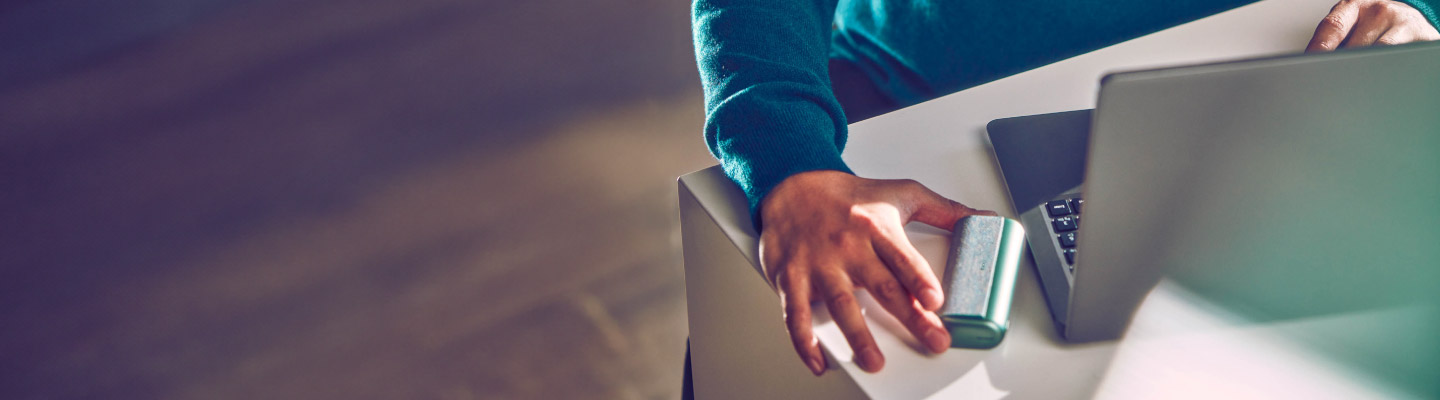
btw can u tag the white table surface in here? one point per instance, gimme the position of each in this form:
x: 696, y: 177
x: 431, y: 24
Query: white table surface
x: 1177, y: 346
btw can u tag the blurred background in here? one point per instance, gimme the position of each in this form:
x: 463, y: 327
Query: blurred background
x: 263, y: 199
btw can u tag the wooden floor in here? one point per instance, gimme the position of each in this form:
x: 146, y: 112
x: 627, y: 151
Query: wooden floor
x: 263, y: 199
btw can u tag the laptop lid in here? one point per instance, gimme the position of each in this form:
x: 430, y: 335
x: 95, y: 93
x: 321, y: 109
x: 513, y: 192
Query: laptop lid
x: 1040, y: 156
x: 1290, y: 186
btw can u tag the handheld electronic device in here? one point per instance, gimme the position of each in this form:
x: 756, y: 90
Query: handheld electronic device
x: 980, y: 280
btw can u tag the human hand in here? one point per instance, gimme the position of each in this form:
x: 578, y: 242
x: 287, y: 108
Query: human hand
x: 828, y: 232
x: 1359, y: 23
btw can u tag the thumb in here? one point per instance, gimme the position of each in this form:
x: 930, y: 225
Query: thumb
x: 935, y: 210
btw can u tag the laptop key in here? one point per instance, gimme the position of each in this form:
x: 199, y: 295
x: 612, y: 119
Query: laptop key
x: 1070, y: 256
x: 1065, y: 224
x: 1067, y: 240
x: 1058, y: 208
x: 1075, y: 204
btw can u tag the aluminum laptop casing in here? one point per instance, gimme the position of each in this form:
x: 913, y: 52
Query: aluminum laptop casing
x: 1289, y: 186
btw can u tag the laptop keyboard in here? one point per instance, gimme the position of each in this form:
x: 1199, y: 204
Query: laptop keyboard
x: 1064, y: 215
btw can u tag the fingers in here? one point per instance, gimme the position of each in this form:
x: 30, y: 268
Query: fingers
x: 845, y: 309
x: 795, y: 296
x: 1395, y: 36
x: 828, y: 233
x: 923, y: 324
x: 1427, y: 32
x: 1404, y: 25
x: 1367, y: 29
x: 895, y: 250
x: 1334, y: 27
x: 935, y: 210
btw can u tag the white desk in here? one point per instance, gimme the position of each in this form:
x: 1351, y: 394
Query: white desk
x: 1178, y: 346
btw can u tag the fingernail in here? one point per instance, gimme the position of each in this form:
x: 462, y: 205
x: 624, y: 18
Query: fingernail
x: 937, y: 339
x: 815, y: 366
x: 931, y: 298
x: 871, y: 360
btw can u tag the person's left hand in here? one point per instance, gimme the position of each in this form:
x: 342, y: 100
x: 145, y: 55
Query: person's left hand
x: 1358, y: 23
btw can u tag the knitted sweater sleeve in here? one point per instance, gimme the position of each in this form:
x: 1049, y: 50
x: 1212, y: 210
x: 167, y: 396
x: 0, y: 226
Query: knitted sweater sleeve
x: 769, y: 109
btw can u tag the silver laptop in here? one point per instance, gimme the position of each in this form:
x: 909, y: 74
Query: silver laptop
x: 1298, y: 185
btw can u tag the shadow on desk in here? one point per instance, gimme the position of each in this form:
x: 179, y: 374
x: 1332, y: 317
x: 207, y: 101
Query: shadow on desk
x: 1013, y: 373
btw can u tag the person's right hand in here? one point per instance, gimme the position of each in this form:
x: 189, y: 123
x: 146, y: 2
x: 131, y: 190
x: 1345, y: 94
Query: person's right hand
x: 827, y: 233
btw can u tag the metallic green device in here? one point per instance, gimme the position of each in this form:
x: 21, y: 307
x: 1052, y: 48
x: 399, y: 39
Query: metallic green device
x: 980, y: 280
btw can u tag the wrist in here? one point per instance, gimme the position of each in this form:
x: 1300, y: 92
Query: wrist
x: 795, y: 188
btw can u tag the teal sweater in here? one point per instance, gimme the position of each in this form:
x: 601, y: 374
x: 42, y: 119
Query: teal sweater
x: 770, y: 111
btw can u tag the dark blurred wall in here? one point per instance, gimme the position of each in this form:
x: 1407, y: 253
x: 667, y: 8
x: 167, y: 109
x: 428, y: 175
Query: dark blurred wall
x: 195, y: 191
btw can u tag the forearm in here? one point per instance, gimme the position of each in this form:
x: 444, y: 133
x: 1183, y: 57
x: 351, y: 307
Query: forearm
x: 770, y: 111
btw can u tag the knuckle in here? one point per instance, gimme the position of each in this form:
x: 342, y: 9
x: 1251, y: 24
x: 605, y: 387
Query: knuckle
x: 916, y: 281
x: 1389, y: 10
x: 861, y: 214
x: 1333, y: 22
x: 957, y: 206
x: 787, y: 280
x: 917, y: 320
x: 858, y: 214
x: 795, y: 313
x: 871, y: 222
x: 907, y: 259
x: 903, y: 258
x: 844, y: 240
x: 891, y: 290
x: 905, y: 263
x: 875, y: 226
x: 842, y: 300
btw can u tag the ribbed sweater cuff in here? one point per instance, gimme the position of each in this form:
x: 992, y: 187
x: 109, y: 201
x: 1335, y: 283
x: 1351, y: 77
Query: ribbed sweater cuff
x: 762, y: 140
